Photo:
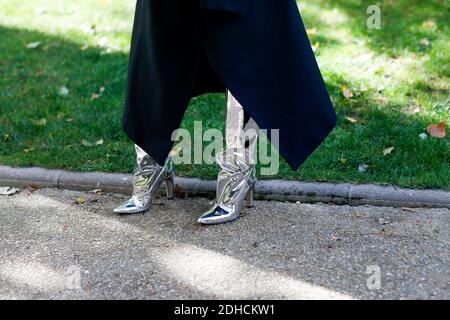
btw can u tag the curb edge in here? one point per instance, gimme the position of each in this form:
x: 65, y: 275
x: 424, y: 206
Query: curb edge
x: 280, y: 190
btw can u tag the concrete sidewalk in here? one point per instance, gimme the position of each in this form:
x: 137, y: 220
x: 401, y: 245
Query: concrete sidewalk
x: 52, y: 247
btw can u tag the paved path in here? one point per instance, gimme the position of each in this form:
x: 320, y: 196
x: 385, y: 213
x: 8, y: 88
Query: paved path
x: 51, y: 247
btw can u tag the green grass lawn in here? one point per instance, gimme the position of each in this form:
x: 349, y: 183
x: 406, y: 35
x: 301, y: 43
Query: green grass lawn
x: 399, y: 78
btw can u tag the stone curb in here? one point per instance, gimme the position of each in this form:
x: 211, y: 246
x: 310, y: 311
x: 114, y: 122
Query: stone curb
x: 280, y: 190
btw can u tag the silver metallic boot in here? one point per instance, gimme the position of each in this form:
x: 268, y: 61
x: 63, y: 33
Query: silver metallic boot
x: 147, y: 178
x: 236, y: 180
x: 235, y: 184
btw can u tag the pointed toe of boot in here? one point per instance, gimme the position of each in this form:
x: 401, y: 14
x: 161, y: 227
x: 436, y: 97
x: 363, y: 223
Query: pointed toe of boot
x: 130, y: 207
x: 218, y: 215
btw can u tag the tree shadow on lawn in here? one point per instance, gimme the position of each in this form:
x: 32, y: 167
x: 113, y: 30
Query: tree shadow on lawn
x: 39, y: 127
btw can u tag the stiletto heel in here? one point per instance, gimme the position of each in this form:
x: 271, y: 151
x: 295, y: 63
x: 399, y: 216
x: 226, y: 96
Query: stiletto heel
x: 249, y: 198
x: 170, y: 187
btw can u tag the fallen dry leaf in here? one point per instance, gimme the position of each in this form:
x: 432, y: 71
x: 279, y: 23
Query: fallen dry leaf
x: 311, y: 32
x: 423, y: 136
x: 33, y: 45
x: 315, y: 46
x: 80, y: 200
x: 388, y: 151
x: 346, y: 92
x: 425, y: 42
x: 358, y: 215
x: 379, y: 71
x: 91, y: 144
x: 363, y: 167
x: 39, y: 122
x: 179, y: 193
x: 352, y: 120
x: 343, y: 160
x: 437, y: 130
x: 63, y: 91
x: 429, y: 24
x: 96, y: 95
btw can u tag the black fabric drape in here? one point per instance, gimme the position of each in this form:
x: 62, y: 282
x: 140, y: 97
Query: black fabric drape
x: 258, y: 49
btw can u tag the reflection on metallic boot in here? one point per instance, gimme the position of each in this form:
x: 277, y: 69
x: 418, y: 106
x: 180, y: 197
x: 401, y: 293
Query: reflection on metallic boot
x: 147, y: 178
x: 235, y: 184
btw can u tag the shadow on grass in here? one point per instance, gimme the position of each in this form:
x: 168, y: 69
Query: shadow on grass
x: 40, y: 126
